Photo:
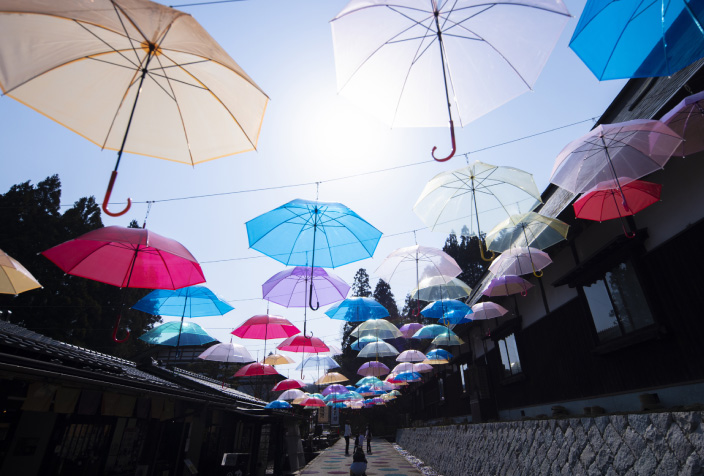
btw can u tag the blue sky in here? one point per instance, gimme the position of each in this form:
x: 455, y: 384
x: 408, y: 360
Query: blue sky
x: 310, y: 134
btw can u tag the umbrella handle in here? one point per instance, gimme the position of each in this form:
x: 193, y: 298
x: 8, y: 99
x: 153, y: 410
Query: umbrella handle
x: 538, y: 273
x: 114, y: 331
x: 481, y: 252
x: 108, y: 192
x: 454, y: 146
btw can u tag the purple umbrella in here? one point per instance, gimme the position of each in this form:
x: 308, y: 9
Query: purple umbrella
x: 507, y: 285
x: 290, y: 287
x: 487, y: 310
x: 373, y: 368
x: 409, y: 329
x: 334, y: 388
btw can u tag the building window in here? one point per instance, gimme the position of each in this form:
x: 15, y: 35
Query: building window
x: 509, y: 355
x: 463, y: 369
x: 617, y: 303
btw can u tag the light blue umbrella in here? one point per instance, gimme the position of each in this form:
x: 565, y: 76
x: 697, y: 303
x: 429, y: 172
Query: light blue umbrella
x: 431, y: 331
x: 324, y: 362
x: 278, y: 404
x: 448, y: 311
x: 639, y: 39
x: 360, y: 343
x: 357, y: 309
x: 368, y: 381
x: 312, y: 233
x: 177, y: 333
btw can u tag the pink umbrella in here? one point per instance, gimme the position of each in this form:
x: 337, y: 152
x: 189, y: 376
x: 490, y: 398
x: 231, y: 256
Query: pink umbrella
x: 303, y: 344
x: 128, y: 258
x: 265, y: 327
x: 373, y: 368
x: 290, y: 287
x: 256, y: 370
x: 409, y: 329
x: 507, y: 285
x: 520, y: 260
x: 411, y: 355
x: 687, y: 119
x: 487, y: 310
x: 288, y: 384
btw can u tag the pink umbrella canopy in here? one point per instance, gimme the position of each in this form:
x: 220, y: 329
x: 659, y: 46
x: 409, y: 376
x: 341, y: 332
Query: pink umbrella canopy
x: 312, y: 402
x: 311, y: 345
x: 256, y: 370
x: 606, y: 202
x: 292, y: 394
x: 409, y: 329
x: 290, y: 287
x: 265, y: 327
x: 411, y: 355
x: 506, y: 286
x: 520, y: 260
x: 288, y: 384
x: 687, y: 119
x: 487, y: 310
x: 373, y: 368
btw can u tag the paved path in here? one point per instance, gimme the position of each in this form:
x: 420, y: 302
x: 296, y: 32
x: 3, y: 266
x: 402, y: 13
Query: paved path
x: 384, y: 461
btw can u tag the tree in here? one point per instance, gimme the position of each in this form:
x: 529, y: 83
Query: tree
x: 466, y: 253
x: 360, y: 285
x: 384, y: 296
x: 68, y: 308
x: 360, y: 288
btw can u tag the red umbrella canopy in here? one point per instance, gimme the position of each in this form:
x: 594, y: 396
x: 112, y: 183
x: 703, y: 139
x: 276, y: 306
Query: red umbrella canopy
x: 288, y: 384
x: 255, y: 370
x: 128, y: 258
x: 605, y: 201
x: 312, y: 402
x: 301, y: 343
x: 265, y: 326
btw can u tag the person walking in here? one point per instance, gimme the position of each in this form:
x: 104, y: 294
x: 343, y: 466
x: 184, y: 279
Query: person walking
x: 359, y: 463
x: 348, y: 433
x: 369, y: 440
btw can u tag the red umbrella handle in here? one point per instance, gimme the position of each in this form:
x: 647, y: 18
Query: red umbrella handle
x: 454, y: 146
x: 108, y: 192
x: 114, y: 331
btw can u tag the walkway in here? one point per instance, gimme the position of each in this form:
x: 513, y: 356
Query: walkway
x: 384, y: 461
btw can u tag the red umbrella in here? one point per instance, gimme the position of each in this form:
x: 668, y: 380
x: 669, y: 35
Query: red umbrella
x: 288, y: 384
x: 312, y: 402
x: 256, y: 370
x: 128, y: 258
x: 265, y: 327
x: 312, y: 345
x: 604, y: 202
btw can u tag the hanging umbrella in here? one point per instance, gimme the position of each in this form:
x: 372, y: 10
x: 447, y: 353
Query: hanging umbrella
x: 191, y: 301
x: 528, y: 230
x: 324, y: 362
x: 311, y: 345
x: 637, y: 39
x: 411, y: 356
x: 174, y: 334
x: 334, y: 350
x: 409, y: 329
x: 128, y: 258
x: 407, y: 377
x: 312, y: 402
x: 278, y: 359
x: 356, y: 309
x: 373, y: 368
x: 371, y: 380
x: 379, y: 328
x: 14, y: 278
x: 278, y: 404
x: 421, y: 63
x: 431, y: 331
x: 292, y: 394
x: 288, y: 384
x: 622, y: 152
x: 132, y: 76
x: 687, y: 120
x: 447, y: 339
x: 227, y: 353
x: 334, y: 388
x: 331, y: 377
x: 475, y: 198
x: 487, y: 310
x: 256, y: 370
x: 304, y: 232
x: 604, y: 202
x: 410, y: 367
x: 435, y: 288
x: 299, y: 399
x: 506, y: 285
x: 448, y: 311
x: 520, y: 260
x: 289, y: 288
x: 265, y: 326
x: 437, y: 355
x: 362, y: 342
x: 376, y: 350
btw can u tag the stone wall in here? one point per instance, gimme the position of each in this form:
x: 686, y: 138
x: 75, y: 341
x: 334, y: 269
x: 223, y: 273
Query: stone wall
x: 643, y: 444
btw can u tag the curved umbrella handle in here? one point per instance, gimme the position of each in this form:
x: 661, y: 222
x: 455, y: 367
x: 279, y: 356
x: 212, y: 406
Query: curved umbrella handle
x: 114, y: 331
x: 454, y: 146
x: 481, y: 252
x: 108, y: 192
x: 538, y: 273
x: 310, y: 297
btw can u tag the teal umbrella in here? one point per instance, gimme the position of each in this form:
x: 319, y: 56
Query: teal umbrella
x: 176, y: 333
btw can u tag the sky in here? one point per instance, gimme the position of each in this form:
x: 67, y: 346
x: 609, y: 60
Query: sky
x: 314, y: 143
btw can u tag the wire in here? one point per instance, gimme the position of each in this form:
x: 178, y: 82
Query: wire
x: 197, y: 4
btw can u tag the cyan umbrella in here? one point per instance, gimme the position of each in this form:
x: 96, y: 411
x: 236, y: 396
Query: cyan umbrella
x: 177, y: 333
x: 278, y: 404
x: 312, y: 233
x: 431, y: 331
x: 368, y: 381
x: 356, y: 309
x: 360, y: 343
x: 448, y: 311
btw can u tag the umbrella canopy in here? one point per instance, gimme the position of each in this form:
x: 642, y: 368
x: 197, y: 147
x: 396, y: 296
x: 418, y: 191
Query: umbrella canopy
x: 292, y: 394
x: 418, y: 260
x: 312, y: 402
x: 224, y: 352
x: 356, y: 309
x: 520, y: 260
x: 256, y: 370
x: 487, y: 310
x: 410, y: 367
x: 407, y: 61
x: 448, y: 311
x: 298, y: 400
x: 278, y: 359
x: 14, y: 278
x: 362, y: 342
x: 331, y: 377
x: 409, y: 329
x: 431, y: 331
x: 323, y: 362
x: 191, y: 301
x: 373, y: 368
x: 278, y: 404
x: 411, y: 356
x: 687, y: 120
x: 435, y: 288
x: 288, y: 384
x: 177, y: 333
x: 334, y: 350
x: 371, y: 380
x: 506, y: 285
x: 447, y: 339
x: 334, y: 388
x: 112, y: 64
x: 379, y: 328
x: 407, y: 377
x: 439, y: 353
x: 376, y: 350
x: 265, y: 326
x: 290, y: 287
x: 636, y: 39
x: 527, y: 230
x: 604, y: 201
x: 312, y: 345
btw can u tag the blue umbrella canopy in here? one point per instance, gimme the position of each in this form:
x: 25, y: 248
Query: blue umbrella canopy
x: 431, y: 331
x: 323, y: 362
x: 360, y: 343
x: 191, y: 301
x: 177, y: 333
x: 356, y: 309
x: 439, y: 354
x: 278, y: 404
x: 447, y: 311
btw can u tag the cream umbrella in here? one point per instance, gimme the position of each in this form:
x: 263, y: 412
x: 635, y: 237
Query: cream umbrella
x: 14, y: 278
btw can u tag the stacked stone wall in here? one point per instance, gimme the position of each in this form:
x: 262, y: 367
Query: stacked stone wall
x: 649, y: 444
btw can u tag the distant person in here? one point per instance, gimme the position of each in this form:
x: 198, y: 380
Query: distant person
x: 359, y: 463
x: 369, y: 440
x: 360, y: 441
x: 348, y: 433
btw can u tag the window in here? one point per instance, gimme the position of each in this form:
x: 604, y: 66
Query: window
x: 463, y: 369
x: 617, y: 303
x: 509, y: 355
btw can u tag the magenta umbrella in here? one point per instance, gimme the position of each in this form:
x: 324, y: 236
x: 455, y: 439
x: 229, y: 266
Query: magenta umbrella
x: 265, y: 326
x: 128, y: 258
x: 507, y: 285
x: 256, y: 370
x: 409, y: 329
x: 373, y: 369
x: 290, y: 287
x: 312, y: 345
x: 288, y: 384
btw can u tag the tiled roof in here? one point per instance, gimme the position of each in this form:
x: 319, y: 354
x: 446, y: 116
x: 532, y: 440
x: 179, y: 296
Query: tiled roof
x: 218, y: 386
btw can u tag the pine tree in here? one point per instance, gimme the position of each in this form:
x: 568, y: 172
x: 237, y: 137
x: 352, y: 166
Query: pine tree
x: 360, y: 285
x: 384, y: 296
x: 466, y: 253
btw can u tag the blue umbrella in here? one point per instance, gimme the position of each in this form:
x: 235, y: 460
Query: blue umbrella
x: 439, y: 354
x: 177, y: 333
x: 324, y: 362
x: 447, y: 311
x: 431, y: 331
x: 408, y: 377
x: 638, y: 39
x: 278, y: 404
x: 312, y: 233
x: 357, y: 309
x: 360, y: 343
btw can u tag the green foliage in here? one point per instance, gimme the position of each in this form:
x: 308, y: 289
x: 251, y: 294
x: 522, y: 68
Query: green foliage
x: 384, y: 296
x: 68, y: 308
x: 466, y: 252
x: 360, y: 285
